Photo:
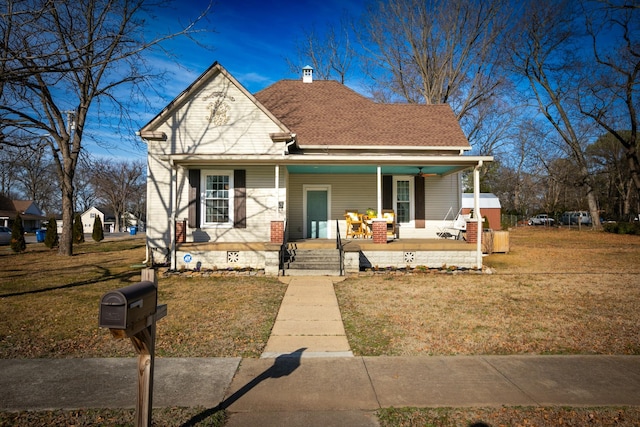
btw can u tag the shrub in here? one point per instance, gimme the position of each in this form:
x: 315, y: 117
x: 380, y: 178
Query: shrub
x: 622, y: 228
x: 78, y: 230
x: 98, y: 232
x: 18, y: 244
x: 51, y: 239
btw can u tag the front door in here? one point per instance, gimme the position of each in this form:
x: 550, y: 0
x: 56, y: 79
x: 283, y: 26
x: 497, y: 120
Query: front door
x: 317, y: 216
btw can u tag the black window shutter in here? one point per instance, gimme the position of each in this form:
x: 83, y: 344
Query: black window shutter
x: 420, y: 201
x: 194, y: 199
x: 387, y: 192
x: 240, y: 198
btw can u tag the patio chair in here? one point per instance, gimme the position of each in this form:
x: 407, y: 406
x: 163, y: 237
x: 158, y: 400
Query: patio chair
x: 355, y: 227
x: 390, y: 216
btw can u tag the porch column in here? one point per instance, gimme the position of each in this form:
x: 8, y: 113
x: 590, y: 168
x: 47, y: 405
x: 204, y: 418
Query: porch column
x: 277, y: 186
x: 379, y: 195
x: 379, y: 227
x: 477, y: 213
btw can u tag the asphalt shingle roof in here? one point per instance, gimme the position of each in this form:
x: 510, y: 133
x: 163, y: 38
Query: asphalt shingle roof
x: 326, y: 112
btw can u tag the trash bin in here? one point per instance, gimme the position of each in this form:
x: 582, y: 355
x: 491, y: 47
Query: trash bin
x: 133, y: 230
x: 40, y: 235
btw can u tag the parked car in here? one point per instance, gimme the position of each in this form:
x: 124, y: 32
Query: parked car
x: 541, y: 219
x: 575, y: 217
x: 5, y: 235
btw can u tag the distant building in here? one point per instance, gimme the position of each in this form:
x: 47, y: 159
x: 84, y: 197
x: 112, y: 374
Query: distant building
x: 489, y: 207
x: 32, y: 216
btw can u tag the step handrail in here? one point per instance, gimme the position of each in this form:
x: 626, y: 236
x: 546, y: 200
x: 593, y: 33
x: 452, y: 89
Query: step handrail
x: 339, y: 247
x: 283, y: 247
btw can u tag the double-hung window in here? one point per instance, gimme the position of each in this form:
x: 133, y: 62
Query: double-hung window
x: 217, y: 197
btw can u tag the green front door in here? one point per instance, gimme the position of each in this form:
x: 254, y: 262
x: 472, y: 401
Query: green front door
x: 317, y: 221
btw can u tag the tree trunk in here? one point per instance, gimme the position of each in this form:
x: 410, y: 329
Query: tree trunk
x: 634, y: 167
x: 66, y: 239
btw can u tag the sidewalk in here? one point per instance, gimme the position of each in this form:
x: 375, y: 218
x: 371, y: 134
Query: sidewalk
x: 296, y: 383
x: 340, y: 385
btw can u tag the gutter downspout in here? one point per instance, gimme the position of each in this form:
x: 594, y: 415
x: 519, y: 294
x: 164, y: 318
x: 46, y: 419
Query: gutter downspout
x: 289, y: 144
x: 477, y: 213
x: 277, y: 186
x: 172, y: 219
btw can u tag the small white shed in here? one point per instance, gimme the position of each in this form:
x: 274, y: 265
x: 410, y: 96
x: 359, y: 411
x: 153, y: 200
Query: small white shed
x: 489, y: 208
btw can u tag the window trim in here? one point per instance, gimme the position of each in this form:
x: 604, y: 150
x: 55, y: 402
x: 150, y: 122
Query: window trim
x: 204, y: 173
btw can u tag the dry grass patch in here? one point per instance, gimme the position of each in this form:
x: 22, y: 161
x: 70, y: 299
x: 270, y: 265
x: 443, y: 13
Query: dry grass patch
x: 49, y: 305
x: 528, y: 416
x: 557, y: 291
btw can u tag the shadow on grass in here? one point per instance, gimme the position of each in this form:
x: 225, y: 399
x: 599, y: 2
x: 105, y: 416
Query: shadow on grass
x: 106, y: 276
x: 283, y: 366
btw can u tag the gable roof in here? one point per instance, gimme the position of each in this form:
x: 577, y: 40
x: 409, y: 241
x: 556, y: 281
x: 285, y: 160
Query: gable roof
x: 148, y: 130
x: 327, y: 113
x: 26, y: 208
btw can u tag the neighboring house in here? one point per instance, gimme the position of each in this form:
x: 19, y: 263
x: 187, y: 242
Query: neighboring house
x: 88, y: 218
x: 232, y: 176
x: 32, y: 216
x: 489, y: 206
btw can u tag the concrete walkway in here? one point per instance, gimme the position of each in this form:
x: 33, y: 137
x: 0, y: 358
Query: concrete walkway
x: 309, y: 322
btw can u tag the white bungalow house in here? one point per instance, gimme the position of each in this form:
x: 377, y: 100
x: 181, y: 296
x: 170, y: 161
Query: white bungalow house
x: 242, y: 180
x: 107, y: 217
x: 88, y: 218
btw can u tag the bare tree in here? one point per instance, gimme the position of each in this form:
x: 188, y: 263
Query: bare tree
x: 610, y: 164
x: 330, y: 54
x: 610, y: 87
x: 435, y: 51
x: 37, y: 176
x: 60, y: 58
x: 8, y: 171
x: 117, y: 183
x: 544, y: 52
x: 85, y: 194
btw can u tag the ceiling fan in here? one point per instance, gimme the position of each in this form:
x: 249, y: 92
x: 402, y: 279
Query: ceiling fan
x: 423, y: 174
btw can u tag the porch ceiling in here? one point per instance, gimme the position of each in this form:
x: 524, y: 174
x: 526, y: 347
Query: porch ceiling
x: 372, y: 169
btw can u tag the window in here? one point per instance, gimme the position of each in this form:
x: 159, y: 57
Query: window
x: 403, y: 199
x: 92, y: 215
x: 217, y: 197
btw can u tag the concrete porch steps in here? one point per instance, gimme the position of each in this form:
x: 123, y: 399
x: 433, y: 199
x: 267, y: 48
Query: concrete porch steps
x: 316, y: 261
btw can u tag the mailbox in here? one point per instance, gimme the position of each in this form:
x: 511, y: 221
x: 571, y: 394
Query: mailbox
x: 129, y: 308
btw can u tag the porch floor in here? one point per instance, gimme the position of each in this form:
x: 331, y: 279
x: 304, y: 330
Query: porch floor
x: 400, y: 245
x: 403, y: 245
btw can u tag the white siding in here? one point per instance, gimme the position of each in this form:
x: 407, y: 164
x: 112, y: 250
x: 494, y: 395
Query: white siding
x: 442, y: 194
x: 159, y: 200
x: 245, y: 131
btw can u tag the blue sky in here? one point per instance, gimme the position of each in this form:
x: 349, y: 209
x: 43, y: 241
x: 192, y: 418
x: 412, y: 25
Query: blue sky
x: 250, y: 39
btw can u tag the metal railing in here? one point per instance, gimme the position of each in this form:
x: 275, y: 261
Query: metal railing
x: 284, y: 250
x: 340, y: 248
